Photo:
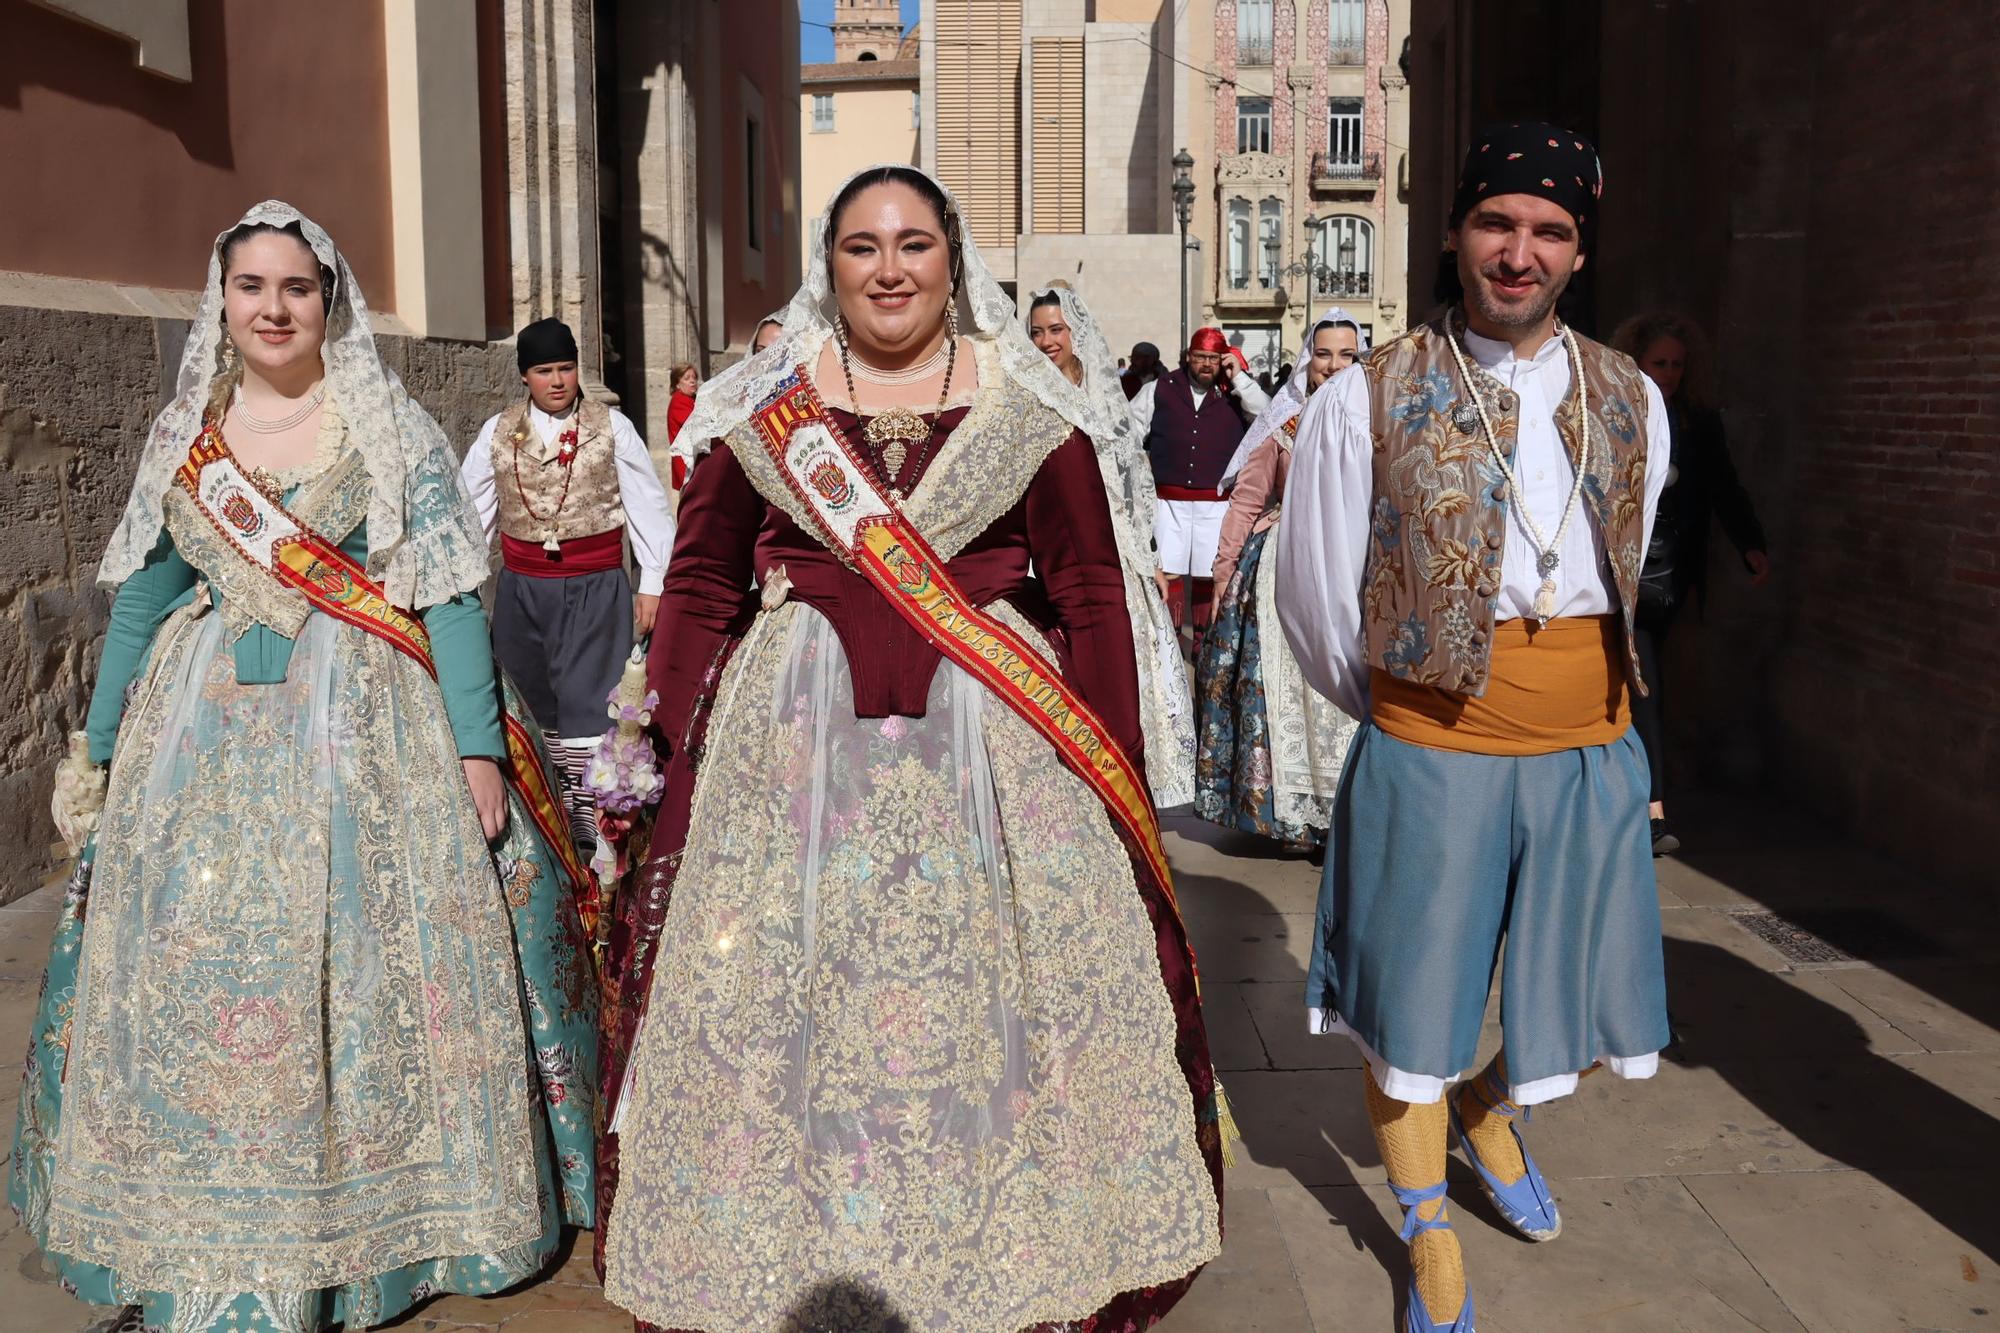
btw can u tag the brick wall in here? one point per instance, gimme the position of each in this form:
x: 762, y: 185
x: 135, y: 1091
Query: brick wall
x: 1888, y: 693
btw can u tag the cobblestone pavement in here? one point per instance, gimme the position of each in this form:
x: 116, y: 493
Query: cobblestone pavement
x: 1820, y: 1151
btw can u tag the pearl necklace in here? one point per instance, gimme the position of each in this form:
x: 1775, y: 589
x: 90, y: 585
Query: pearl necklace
x: 923, y: 370
x: 1548, y: 553
x: 263, y: 426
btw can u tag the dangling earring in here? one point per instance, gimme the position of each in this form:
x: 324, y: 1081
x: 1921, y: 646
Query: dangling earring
x: 226, y: 360
x: 951, y: 316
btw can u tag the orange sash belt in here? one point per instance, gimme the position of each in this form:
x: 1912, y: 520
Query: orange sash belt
x: 1557, y: 688
x: 274, y: 541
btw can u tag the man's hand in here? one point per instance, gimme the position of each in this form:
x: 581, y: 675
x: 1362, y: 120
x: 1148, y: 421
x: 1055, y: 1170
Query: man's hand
x: 645, y: 610
x: 1760, y: 567
x: 489, y: 794
x: 1160, y: 581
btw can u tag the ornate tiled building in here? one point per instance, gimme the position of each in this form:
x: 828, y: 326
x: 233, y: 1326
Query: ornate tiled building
x: 1302, y: 171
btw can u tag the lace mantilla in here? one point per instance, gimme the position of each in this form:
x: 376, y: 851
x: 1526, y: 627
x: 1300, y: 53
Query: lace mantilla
x: 1098, y: 406
x: 1289, y: 400
x: 425, y: 543
x: 985, y: 314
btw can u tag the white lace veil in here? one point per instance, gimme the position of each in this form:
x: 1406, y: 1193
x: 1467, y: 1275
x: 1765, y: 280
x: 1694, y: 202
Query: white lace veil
x: 425, y: 543
x: 984, y: 315
x: 1290, y: 399
x: 1098, y: 406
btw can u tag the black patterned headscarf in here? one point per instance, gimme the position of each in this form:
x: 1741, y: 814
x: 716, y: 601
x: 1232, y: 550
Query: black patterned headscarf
x: 1532, y: 157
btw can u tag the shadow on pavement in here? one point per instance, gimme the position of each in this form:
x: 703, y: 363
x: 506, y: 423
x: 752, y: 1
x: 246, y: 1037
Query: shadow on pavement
x: 1809, y: 1067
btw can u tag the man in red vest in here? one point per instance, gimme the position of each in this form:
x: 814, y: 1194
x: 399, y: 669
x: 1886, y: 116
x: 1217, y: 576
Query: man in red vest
x: 1191, y: 421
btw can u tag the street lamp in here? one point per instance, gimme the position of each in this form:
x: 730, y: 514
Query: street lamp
x: 1184, y: 210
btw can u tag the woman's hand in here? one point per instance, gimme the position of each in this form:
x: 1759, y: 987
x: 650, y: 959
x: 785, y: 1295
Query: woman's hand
x: 1160, y: 581
x: 489, y: 794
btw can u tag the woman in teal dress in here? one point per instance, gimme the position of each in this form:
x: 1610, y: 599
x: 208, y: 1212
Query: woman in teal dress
x: 317, y: 1035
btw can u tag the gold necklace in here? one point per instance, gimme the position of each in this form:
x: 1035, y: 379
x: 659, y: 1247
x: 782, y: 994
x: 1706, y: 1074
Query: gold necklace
x: 894, y: 431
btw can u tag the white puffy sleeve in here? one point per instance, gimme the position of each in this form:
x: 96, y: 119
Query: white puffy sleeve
x: 477, y: 474
x: 1141, y: 409
x: 1323, y: 541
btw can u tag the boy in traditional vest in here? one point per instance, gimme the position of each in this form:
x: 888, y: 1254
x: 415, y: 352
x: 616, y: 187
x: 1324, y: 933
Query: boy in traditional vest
x: 567, y: 481
x: 1458, y: 568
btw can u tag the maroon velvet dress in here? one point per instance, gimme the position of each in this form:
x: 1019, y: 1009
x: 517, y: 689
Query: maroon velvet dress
x: 1052, y: 556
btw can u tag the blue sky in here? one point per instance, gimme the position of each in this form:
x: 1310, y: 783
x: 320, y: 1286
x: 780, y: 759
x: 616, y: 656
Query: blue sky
x: 816, y: 43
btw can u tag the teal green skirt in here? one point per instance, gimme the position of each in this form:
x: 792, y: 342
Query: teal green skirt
x: 559, y: 1004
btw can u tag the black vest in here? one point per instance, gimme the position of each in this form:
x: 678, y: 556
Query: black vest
x: 1189, y: 447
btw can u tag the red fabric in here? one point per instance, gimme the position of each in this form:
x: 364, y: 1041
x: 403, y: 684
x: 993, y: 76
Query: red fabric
x: 579, y: 555
x: 728, y: 534
x: 1208, y: 340
x: 680, y: 471
x: 1203, y: 494
x: 679, y: 408
x: 1178, y: 594
x: 1242, y: 361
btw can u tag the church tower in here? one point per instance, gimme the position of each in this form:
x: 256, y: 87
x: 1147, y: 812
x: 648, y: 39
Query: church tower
x: 866, y: 29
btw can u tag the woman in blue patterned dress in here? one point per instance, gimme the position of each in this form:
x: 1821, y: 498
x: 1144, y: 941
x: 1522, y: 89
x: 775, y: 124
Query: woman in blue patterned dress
x: 317, y: 1035
x: 1270, y: 750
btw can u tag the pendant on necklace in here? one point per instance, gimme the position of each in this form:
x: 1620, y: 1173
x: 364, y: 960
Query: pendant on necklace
x: 1465, y: 417
x: 550, y: 544
x: 893, y: 433
x: 1545, y: 601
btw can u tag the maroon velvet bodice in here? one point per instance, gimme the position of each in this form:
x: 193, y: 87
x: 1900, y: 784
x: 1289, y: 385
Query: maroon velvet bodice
x: 729, y: 535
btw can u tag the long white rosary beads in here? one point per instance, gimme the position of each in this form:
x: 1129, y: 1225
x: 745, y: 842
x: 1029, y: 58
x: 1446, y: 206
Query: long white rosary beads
x: 1548, y: 553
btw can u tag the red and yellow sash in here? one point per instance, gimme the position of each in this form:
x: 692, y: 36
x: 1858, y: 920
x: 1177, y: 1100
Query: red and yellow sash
x: 271, y: 539
x: 861, y: 523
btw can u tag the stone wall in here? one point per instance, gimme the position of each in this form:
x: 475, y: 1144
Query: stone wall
x: 77, y: 393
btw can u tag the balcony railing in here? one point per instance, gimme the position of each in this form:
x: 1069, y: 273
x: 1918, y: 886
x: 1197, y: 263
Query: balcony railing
x: 1253, y: 51
x: 1344, y: 52
x: 1329, y: 171
x: 1333, y: 282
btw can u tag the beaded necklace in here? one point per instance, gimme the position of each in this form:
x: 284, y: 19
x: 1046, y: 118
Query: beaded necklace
x: 1548, y: 552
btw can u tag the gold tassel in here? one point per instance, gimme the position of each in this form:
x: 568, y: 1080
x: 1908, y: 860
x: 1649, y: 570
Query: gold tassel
x: 1225, y: 1123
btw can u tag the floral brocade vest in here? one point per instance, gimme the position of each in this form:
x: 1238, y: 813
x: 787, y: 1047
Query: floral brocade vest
x: 1438, y: 521
x: 531, y: 480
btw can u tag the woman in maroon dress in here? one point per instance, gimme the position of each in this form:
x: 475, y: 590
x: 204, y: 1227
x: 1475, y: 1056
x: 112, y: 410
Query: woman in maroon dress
x: 920, y: 1042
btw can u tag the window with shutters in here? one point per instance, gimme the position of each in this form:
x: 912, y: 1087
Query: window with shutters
x: 1253, y: 32
x: 1347, y: 33
x: 822, y: 113
x: 977, y: 113
x: 1057, y: 145
x: 1253, y: 124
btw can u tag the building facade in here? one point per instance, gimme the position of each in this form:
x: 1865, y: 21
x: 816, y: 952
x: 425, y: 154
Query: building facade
x: 698, y: 189
x: 1298, y: 126
x: 863, y: 108
x: 470, y: 159
x: 1053, y: 122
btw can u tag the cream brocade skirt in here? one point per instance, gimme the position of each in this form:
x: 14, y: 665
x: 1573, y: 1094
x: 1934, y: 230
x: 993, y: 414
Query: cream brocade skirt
x: 297, y: 1056
x: 907, y: 1054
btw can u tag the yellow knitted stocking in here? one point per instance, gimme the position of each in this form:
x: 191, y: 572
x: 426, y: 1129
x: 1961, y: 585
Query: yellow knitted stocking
x: 1412, y: 1139
x: 1491, y: 1132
